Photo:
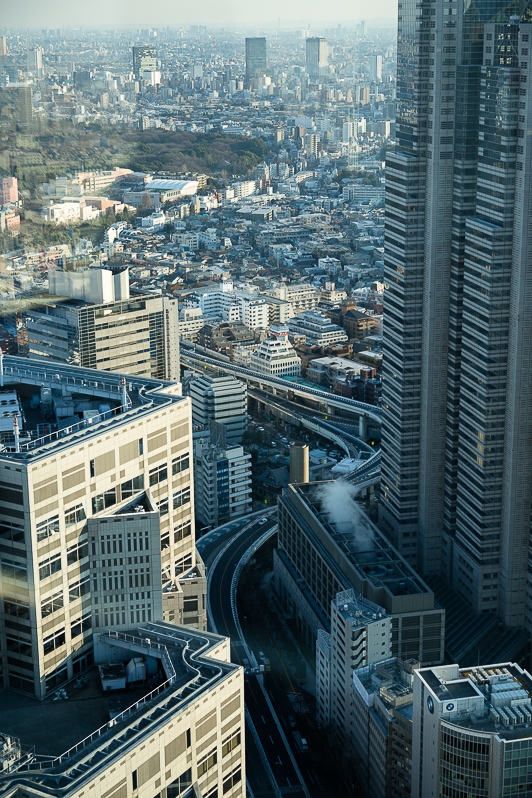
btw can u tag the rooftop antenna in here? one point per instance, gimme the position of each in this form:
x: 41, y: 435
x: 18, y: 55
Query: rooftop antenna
x: 16, y: 434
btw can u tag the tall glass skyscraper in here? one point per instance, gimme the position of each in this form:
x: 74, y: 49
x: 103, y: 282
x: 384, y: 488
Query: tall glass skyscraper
x: 457, y: 379
x: 255, y: 57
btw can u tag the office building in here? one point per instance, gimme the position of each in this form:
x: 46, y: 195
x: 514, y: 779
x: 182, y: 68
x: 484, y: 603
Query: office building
x: 144, y: 59
x: 327, y: 545
x: 93, y: 321
x: 375, y: 68
x: 364, y: 698
x: 317, y: 56
x: 472, y: 732
x: 255, y: 58
x: 219, y: 400
x: 161, y: 712
x: 96, y: 509
x: 315, y: 329
x: 222, y: 482
x: 34, y: 62
x: 381, y: 733
x: 361, y: 634
x: 457, y: 423
x: 275, y: 355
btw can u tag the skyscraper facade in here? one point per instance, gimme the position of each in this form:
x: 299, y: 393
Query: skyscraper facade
x: 457, y: 443
x: 96, y: 515
x: 317, y: 56
x: 90, y: 319
x: 255, y: 57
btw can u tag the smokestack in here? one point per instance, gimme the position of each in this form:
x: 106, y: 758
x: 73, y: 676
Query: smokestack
x: 16, y: 433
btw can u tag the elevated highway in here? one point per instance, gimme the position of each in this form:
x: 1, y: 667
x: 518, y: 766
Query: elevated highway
x: 200, y: 359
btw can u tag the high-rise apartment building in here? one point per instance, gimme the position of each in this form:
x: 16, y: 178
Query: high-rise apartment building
x: 96, y: 515
x: 144, y: 59
x: 255, y: 57
x: 93, y: 321
x: 457, y: 420
x: 317, y: 56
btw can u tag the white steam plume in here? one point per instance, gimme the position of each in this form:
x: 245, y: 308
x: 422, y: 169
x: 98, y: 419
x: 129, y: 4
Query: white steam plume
x: 338, y: 503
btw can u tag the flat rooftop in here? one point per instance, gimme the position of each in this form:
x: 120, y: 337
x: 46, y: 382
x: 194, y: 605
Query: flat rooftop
x: 505, y: 693
x: 366, y: 548
x: 82, y: 403
x: 82, y: 728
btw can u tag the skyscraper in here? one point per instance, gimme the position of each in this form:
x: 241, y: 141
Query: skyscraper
x: 92, y: 320
x: 96, y: 515
x: 457, y: 421
x: 255, y: 57
x: 317, y: 56
x: 144, y: 59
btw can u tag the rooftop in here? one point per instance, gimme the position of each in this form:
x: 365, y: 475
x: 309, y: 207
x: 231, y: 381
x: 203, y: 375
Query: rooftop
x: 90, y: 402
x: 490, y: 698
x: 365, y: 547
x: 81, y: 729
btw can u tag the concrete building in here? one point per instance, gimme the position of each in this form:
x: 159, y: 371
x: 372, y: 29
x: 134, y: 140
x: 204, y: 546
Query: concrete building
x: 222, y: 480
x: 317, y: 56
x: 364, y: 698
x: 99, y: 324
x: 326, y: 545
x: 457, y: 430
x: 220, y: 400
x: 144, y: 59
x: 254, y: 313
x: 8, y: 190
x: 276, y: 356
x: 175, y: 727
x: 301, y: 296
x: 191, y: 321
x: 472, y: 732
x: 315, y: 329
x: 382, y: 728
x: 98, y: 467
x: 255, y: 58
x: 361, y: 634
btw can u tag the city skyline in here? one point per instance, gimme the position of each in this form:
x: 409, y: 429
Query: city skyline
x: 235, y: 14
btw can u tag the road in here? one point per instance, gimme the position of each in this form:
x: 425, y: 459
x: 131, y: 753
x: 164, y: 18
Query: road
x: 273, y: 771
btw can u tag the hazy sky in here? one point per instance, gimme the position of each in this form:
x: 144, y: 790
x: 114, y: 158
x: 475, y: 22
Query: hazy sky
x: 233, y: 13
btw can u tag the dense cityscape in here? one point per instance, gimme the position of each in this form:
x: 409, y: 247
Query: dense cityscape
x: 266, y: 429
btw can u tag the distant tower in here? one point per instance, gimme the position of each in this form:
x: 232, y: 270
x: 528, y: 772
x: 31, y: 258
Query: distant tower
x: 34, y: 61
x: 144, y: 59
x: 375, y: 68
x: 255, y: 57
x: 3, y: 46
x: 317, y: 56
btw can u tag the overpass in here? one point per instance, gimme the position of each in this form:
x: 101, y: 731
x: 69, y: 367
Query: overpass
x: 199, y: 359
